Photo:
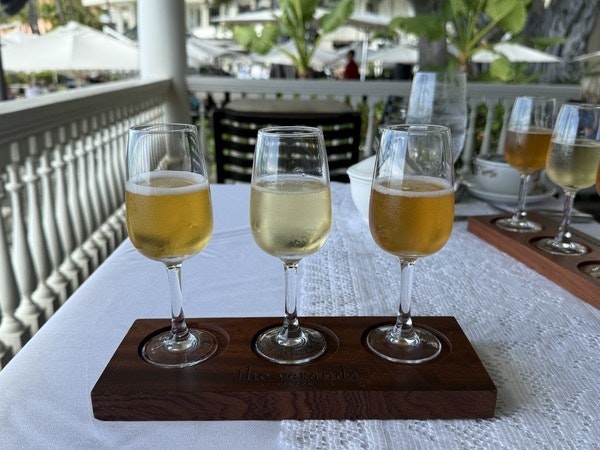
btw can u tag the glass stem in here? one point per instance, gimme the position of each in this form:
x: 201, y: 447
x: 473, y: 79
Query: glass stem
x: 520, y: 212
x: 564, y: 235
x: 291, y: 326
x: 179, y: 329
x: 403, y: 330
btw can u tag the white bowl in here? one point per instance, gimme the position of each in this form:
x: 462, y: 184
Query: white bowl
x: 361, y: 176
x: 494, y: 174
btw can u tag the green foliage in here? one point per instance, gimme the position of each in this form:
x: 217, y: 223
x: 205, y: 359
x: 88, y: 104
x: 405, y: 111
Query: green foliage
x: 48, y: 12
x: 297, y: 22
x: 472, y: 23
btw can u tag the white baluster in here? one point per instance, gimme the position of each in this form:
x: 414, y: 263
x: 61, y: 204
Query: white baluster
x: 115, y: 185
x: 91, y: 188
x: 507, y: 105
x: 57, y: 279
x: 100, y: 179
x: 97, y: 251
x: 63, y: 222
x: 13, y: 333
x: 43, y: 296
x: 467, y: 154
x: 487, y: 130
x: 24, y: 270
x: 80, y: 256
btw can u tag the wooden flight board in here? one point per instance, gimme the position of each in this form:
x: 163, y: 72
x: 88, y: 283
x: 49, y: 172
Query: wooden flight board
x: 346, y: 382
x: 570, y: 272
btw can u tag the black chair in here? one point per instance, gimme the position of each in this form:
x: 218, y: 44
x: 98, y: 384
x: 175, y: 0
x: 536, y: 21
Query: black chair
x: 235, y: 136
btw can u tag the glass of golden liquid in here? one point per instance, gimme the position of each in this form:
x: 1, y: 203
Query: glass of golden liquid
x: 572, y: 164
x: 525, y: 148
x: 411, y: 214
x: 169, y: 219
x: 290, y: 218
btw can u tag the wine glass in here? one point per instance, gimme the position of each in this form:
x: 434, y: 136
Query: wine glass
x: 440, y: 98
x: 290, y: 217
x: 411, y: 214
x: 169, y: 219
x: 572, y: 163
x: 525, y: 148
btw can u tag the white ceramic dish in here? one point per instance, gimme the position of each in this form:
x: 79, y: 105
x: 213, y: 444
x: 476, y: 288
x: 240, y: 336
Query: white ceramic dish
x: 538, y: 193
x: 361, y: 175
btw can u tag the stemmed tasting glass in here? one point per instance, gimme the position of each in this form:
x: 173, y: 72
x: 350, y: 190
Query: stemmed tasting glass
x: 169, y: 219
x: 411, y: 214
x: 572, y: 163
x: 525, y: 148
x: 290, y: 217
x: 440, y: 98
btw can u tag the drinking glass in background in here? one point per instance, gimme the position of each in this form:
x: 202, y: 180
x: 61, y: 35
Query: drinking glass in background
x: 525, y: 148
x: 572, y: 164
x: 169, y: 219
x: 290, y: 218
x: 440, y: 98
x: 411, y: 214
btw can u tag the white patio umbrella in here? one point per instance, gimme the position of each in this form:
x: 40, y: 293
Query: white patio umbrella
x: 397, y: 54
x: 249, y: 17
x: 320, y: 58
x: 515, y: 53
x: 73, y: 47
x: 200, y: 52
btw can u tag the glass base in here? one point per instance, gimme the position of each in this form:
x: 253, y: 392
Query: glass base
x: 593, y: 270
x: 163, y: 351
x: 273, y: 346
x: 425, y: 346
x: 555, y: 247
x: 518, y: 225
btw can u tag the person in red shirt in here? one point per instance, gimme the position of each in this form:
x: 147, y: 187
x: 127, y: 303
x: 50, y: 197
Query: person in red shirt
x: 351, y: 70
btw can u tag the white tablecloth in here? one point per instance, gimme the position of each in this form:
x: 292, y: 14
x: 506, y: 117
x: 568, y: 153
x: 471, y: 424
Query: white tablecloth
x: 539, y: 343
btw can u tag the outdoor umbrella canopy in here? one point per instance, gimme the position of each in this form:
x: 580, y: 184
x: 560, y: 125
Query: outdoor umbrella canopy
x: 200, y: 52
x: 397, y: 54
x: 276, y: 56
x: 514, y: 53
x: 73, y: 47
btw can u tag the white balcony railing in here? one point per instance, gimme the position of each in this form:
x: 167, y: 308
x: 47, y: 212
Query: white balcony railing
x: 62, y: 172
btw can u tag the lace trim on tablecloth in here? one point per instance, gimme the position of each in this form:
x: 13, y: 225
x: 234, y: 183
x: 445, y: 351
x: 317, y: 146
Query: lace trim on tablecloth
x: 541, y: 349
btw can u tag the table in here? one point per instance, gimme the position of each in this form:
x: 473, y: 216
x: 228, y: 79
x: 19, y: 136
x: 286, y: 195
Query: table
x: 538, y: 342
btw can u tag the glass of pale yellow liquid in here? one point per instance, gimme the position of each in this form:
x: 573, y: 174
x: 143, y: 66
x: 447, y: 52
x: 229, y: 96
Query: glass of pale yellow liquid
x: 572, y: 163
x: 169, y: 219
x: 525, y: 149
x: 411, y: 214
x: 290, y: 218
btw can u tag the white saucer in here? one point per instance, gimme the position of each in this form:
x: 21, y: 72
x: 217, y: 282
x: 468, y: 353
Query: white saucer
x: 538, y: 194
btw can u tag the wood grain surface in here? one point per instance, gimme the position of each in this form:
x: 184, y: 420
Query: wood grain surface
x: 566, y: 271
x: 347, y: 382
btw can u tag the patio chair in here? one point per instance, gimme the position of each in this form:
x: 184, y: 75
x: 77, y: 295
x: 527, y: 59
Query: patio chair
x: 235, y: 135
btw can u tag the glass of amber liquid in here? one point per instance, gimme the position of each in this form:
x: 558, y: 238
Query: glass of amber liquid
x: 290, y: 218
x: 169, y: 219
x: 411, y: 214
x: 572, y: 164
x: 525, y: 148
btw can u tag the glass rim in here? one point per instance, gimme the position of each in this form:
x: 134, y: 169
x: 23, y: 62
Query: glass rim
x: 163, y: 127
x: 290, y: 130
